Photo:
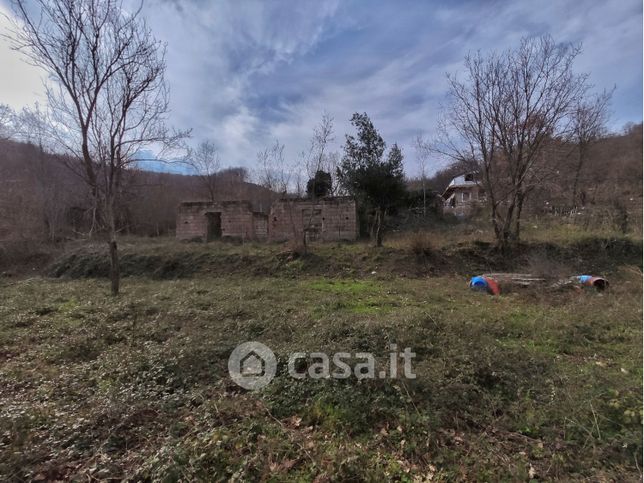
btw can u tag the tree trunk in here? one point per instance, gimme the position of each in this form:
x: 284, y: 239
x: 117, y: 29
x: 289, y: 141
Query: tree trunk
x: 377, y: 228
x: 296, y: 236
x: 424, y: 199
x: 517, y: 220
x: 503, y: 231
x: 115, y: 269
x: 503, y: 240
x: 578, y: 168
x: 495, y: 223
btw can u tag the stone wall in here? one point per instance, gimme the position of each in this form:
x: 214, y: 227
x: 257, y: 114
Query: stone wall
x: 237, y: 220
x: 192, y: 223
x: 327, y: 219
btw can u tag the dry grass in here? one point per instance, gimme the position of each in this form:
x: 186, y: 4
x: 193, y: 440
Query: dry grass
x: 135, y: 387
x: 543, y: 228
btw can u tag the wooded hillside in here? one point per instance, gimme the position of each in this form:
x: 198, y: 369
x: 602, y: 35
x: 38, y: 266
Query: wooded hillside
x: 40, y: 199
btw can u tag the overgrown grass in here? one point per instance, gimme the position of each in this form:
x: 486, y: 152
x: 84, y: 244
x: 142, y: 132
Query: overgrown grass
x: 534, y: 229
x: 414, y: 255
x: 136, y: 387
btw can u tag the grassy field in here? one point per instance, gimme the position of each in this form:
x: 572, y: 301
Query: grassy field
x: 526, y: 385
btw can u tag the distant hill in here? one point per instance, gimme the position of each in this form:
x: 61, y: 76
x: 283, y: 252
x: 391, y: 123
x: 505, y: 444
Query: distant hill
x: 613, y: 171
x: 41, y: 198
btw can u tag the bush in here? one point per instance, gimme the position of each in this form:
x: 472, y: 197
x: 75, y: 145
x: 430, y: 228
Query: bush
x: 22, y: 255
x: 420, y: 244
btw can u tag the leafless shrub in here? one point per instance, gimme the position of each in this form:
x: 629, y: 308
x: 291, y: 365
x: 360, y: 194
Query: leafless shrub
x: 420, y: 244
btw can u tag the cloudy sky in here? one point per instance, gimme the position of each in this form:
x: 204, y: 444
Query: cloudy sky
x: 244, y: 73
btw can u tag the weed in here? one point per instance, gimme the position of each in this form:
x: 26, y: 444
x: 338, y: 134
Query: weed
x: 136, y: 387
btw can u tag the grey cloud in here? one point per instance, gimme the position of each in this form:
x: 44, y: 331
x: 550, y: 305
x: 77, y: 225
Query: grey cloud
x: 243, y: 73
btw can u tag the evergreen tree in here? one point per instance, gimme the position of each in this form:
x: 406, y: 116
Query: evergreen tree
x: 374, y: 180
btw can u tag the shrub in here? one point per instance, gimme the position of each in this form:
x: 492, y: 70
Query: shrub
x: 420, y: 244
x: 19, y: 255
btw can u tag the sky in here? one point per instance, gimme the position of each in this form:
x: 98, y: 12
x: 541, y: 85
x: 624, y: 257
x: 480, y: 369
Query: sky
x: 244, y: 73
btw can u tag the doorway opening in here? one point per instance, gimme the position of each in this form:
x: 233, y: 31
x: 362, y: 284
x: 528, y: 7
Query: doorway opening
x: 213, y: 226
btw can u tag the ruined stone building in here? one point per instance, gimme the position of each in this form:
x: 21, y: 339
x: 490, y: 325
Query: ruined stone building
x: 210, y: 220
x: 325, y: 219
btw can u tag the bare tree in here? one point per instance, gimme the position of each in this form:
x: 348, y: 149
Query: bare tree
x: 316, y: 158
x: 332, y: 162
x: 316, y: 162
x: 505, y: 114
x: 589, y: 119
x: 31, y: 127
x: 273, y: 173
x: 206, y: 163
x: 423, y: 152
x: 232, y: 183
x: 7, y: 126
x: 7, y: 122
x: 107, y: 96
